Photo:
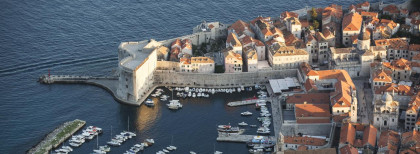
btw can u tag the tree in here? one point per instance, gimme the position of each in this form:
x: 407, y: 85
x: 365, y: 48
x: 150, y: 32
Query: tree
x: 314, y: 14
x: 315, y: 24
x: 311, y: 27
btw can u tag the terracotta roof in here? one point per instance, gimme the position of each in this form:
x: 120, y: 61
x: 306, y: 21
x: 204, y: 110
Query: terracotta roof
x: 304, y: 23
x: 317, y: 113
x: 339, y: 118
x: 389, y: 139
x: 411, y: 139
x: 369, y: 14
x: 394, y: 43
x: 250, y: 53
x: 364, y: 4
x: 292, y: 40
x: 400, y: 64
x: 416, y: 57
x: 211, y: 26
x: 258, y: 42
x: 347, y: 134
x: 231, y: 54
x: 396, y: 88
x: 333, y: 10
x: 404, y: 11
x: 247, y: 40
x: 266, y: 32
x: 285, y: 15
x: 232, y: 39
x: 341, y: 97
x: 176, y: 42
x: 382, y: 75
x: 310, y: 85
x: 389, y: 23
x: 369, y: 136
x: 348, y: 150
x: 352, y: 22
x: 391, y: 9
x: 201, y: 60
x: 175, y: 51
x: 310, y: 98
x: 278, y: 50
x: 304, y: 140
x: 185, y: 61
x: 418, y: 122
x: 414, y: 47
x: 240, y: 26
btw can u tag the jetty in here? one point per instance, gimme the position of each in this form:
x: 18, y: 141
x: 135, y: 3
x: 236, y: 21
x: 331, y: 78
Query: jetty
x: 246, y: 102
x: 56, y: 137
x: 235, y: 138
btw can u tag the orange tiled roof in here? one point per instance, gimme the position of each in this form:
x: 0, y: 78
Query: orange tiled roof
x: 411, y: 139
x: 240, y: 26
x: 396, y: 88
x: 364, y: 4
x: 347, y: 134
x: 201, y: 60
x: 369, y: 135
x: 352, y: 22
x: 382, y: 76
x: 310, y: 98
x: 310, y: 85
x: 233, y: 40
x: 231, y: 54
x: 414, y: 47
x: 304, y: 140
x: 185, y: 61
x: 348, y: 150
x: 318, y: 113
x: 369, y: 14
x: 389, y: 139
x: 333, y: 10
x: 285, y: 15
x: 341, y: 97
x: 391, y: 9
x: 176, y: 42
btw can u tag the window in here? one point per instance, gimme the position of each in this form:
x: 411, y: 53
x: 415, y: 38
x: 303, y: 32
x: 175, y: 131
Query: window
x: 377, y: 119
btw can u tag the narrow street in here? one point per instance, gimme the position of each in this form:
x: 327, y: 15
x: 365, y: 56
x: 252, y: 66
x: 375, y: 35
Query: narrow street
x: 364, y: 98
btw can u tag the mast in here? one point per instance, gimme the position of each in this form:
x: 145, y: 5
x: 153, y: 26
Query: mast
x: 128, y: 123
x: 111, y: 132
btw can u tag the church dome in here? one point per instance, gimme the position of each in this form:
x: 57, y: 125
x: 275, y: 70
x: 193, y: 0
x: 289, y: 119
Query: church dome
x: 387, y: 97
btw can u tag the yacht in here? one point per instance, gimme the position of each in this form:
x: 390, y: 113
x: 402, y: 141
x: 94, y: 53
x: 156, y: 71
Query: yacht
x: 149, y: 102
x: 243, y: 124
x: 105, y: 148
x: 166, y: 151
x: 67, y: 147
x: 263, y: 130
x: 193, y: 95
x: 246, y: 113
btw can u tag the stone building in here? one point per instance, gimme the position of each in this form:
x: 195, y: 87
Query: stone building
x: 250, y: 59
x: 411, y: 115
x: 351, y: 26
x: 400, y: 93
x: 286, y: 57
x: 386, y: 113
x: 233, y: 61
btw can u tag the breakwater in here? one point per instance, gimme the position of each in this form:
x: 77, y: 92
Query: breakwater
x: 56, y: 137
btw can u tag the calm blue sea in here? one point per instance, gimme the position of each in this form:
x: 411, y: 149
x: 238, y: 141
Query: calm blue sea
x: 81, y: 37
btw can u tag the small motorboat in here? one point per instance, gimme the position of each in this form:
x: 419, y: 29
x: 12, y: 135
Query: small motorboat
x: 246, y: 113
x: 243, y: 124
x: 253, y: 126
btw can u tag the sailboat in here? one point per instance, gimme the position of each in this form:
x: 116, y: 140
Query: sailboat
x: 216, y: 152
x: 113, y: 142
x: 97, y: 146
x: 171, y: 147
x: 174, y: 104
x: 128, y: 133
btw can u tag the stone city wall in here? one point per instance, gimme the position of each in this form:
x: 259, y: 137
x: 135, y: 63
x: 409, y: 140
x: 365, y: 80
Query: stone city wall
x: 215, y: 80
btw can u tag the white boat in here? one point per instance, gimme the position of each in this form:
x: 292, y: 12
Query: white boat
x: 173, y: 147
x: 253, y: 126
x: 246, y: 113
x: 169, y: 148
x: 62, y: 150
x: 105, y: 148
x: 199, y: 94
x: 243, y: 124
x: 160, y: 152
x: 149, y: 102
x: 189, y: 94
x: 150, y: 141
x: 166, y: 151
x: 99, y: 151
x: 193, y: 95
x: 192, y: 152
x: 239, y: 89
x: 67, y: 147
x: 218, y: 152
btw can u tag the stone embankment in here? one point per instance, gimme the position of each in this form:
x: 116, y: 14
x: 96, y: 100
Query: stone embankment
x: 56, y: 137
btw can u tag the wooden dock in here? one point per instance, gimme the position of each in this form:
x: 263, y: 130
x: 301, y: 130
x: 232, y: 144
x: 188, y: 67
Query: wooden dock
x: 240, y: 103
x: 236, y: 138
